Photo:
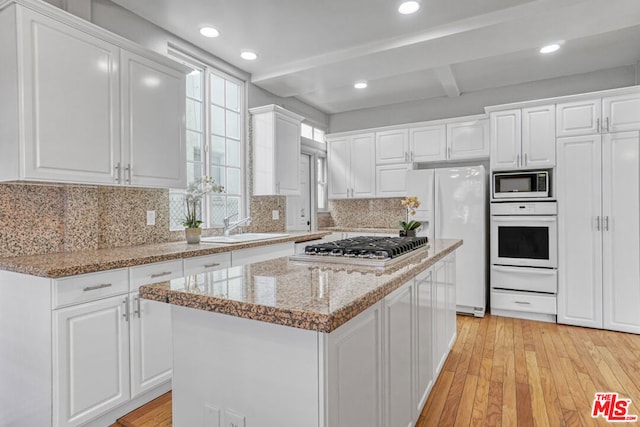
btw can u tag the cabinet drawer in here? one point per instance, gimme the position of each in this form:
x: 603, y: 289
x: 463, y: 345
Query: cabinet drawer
x: 89, y: 287
x: 522, y: 301
x: 153, y: 273
x: 524, y: 279
x: 201, y: 264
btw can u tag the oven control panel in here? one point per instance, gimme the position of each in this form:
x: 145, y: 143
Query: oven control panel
x: 524, y: 208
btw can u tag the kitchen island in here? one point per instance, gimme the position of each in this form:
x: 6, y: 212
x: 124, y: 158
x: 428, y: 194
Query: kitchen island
x: 310, y: 344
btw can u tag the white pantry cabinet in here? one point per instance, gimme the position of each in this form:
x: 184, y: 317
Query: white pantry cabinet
x: 351, y: 161
x: 618, y: 113
x: 76, y: 103
x: 276, y: 148
x: 598, y: 179
x: 523, y: 138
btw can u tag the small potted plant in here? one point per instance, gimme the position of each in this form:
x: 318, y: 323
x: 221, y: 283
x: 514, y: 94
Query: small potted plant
x: 192, y: 197
x: 410, y: 227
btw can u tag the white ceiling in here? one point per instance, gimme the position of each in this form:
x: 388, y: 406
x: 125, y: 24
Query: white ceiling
x: 314, y: 50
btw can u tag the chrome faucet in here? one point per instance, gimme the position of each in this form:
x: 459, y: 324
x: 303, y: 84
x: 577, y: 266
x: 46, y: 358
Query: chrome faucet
x: 230, y: 226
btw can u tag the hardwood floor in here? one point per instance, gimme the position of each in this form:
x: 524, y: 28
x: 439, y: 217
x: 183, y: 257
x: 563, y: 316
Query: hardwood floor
x: 510, y: 372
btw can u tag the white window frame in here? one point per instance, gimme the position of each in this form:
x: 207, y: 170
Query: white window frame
x: 208, y: 69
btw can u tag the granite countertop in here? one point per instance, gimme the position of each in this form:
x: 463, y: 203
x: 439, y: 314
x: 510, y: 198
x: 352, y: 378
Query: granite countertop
x: 89, y: 261
x: 362, y: 230
x: 314, y: 296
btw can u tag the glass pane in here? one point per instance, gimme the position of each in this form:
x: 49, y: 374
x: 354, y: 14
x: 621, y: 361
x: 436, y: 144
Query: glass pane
x: 217, y: 120
x: 233, y: 124
x: 233, y: 99
x: 176, y: 210
x: 233, y: 153
x: 194, y: 115
x: 194, y: 85
x: 233, y: 206
x: 318, y: 135
x: 194, y: 172
x: 217, y: 173
x: 306, y: 131
x: 321, y: 197
x: 217, y: 150
x: 194, y: 146
x: 218, y: 209
x: 233, y: 181
x: 217, y: 90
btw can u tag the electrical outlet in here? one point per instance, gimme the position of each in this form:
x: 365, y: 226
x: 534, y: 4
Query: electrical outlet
x: 275, y: 215
x: 211, y: 415
x: 233, y: 419
x: 151, y: 217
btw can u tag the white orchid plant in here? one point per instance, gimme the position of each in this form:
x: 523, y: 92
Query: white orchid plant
x: 194, y: 194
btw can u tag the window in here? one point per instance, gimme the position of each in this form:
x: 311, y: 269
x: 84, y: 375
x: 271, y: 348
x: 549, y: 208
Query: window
x: 312, y: 133
x: 215, y: 142
x: 321, y: 168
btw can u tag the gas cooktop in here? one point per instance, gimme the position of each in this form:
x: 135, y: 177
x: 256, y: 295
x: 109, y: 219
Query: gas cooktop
x: 362, y: 250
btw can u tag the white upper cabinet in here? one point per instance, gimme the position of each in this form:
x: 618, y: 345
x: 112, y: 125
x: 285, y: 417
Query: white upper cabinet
x: 523, y: 138
x: 75, y: 108
x: 428, y: 143
x: 391, y: 180
x: 276, y: 150
x: 600, y: 115
x: 392, y: 146
x: 351, y: 164
x: 153, y: 131
x: 468, y: 140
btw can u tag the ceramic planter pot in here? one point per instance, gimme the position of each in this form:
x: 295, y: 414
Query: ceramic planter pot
x: 408, y: 233
x: 193, y: 234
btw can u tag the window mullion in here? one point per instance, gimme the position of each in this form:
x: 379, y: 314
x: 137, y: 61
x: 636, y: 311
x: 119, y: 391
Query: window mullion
x: 207, y: 142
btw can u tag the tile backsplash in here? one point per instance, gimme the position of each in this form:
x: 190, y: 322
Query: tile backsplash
x: 367, y: 213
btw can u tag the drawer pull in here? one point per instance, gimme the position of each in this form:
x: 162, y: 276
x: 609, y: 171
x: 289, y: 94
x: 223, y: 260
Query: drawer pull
x: 215, y: 264
x: 164, y: 273
x: 101, y: 286
x: 523, y: 302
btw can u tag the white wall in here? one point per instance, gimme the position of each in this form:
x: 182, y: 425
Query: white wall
x: 113, y: 17
x: 474, y: 102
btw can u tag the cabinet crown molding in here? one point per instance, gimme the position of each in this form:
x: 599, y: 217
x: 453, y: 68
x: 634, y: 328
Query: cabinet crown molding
x: 272, y: 108
x: 563, y: 99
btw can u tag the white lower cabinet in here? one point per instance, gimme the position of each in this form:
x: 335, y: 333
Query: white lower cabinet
x: 424, y: 372
x: 90, y: 359
x: 598, y: 181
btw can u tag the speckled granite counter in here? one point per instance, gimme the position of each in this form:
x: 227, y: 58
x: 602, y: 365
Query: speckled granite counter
x: 362, y: 230
x: 71, y: 263
x: 313, y: 296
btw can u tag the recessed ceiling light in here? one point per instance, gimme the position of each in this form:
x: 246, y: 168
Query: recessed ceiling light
x: 360, y: 85
x: 209, y: 32
x: 408, y: 7
x: 248, y: 55
x: 550, y: 48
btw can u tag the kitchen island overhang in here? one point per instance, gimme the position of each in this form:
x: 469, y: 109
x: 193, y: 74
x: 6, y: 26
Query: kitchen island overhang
x: 289, y: 344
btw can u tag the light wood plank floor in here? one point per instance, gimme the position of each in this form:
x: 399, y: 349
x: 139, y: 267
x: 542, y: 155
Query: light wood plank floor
x: 510, y: 372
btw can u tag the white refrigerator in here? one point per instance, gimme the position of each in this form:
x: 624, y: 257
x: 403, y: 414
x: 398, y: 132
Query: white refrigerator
x: 454, y: 205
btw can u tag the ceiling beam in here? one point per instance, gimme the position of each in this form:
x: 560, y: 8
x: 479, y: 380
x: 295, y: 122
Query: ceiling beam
x: 447, y: 80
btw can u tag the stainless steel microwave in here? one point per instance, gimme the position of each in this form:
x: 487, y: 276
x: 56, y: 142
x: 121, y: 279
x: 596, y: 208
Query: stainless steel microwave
x: 521, y: 185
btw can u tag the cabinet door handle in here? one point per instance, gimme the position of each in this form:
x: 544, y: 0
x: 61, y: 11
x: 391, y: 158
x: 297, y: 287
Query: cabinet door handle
x: 95, y: 287
x: 517, y: 160
x: 525, y: 159
x: 127, y: 176
x: 598, y: 223
x: 406, y: 157
x: 215, y: 264
x: 449, y: 153
x: 412, y: 156
x: 126, y: 309
x: 606, y: 223
x: 606, y: 122
x: 598, y: 125
x: 137, y: 309
x: 118, y: 173
x: 164, y: 273
x: 523, y: 302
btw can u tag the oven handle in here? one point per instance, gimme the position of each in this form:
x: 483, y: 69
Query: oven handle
x: 540, y: 271
x: 521, y: 218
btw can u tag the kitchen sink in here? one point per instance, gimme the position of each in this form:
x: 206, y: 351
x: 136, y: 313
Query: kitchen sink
x: 242, y: 238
